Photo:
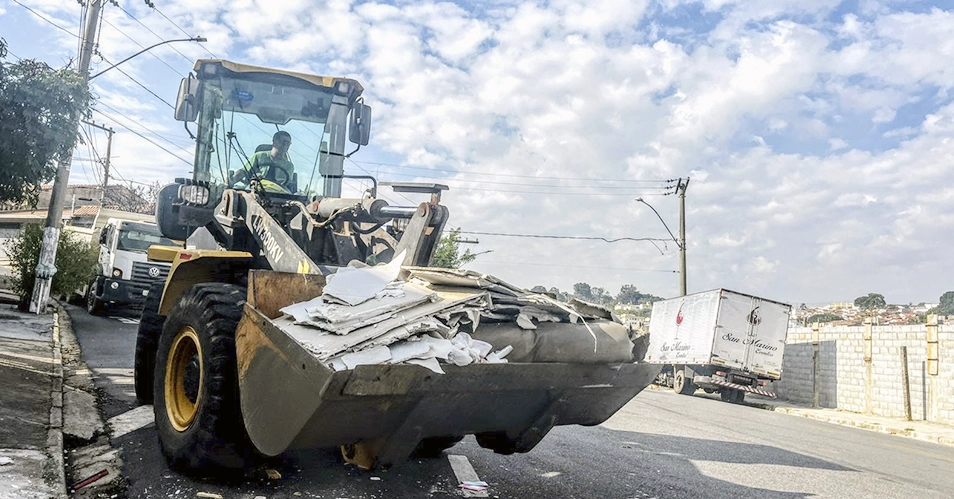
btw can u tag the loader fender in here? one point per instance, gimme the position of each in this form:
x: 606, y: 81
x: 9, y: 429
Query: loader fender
x: 191, y: 267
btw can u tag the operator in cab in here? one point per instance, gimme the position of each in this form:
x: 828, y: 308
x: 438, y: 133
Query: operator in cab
x: 271, y: 167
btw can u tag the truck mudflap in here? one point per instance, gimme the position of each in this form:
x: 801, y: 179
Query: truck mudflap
x: 704, y: 381
x: 291, y: 400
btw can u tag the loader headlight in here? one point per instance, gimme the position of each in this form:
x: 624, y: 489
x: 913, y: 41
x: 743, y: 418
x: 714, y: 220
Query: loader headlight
x: 117, y: 273
x: 343, y: 87
x: 194, y: 194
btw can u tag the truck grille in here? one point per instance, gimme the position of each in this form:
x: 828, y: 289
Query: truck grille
x: 148, y: 272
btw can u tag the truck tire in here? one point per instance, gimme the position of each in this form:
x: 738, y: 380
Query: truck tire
x: 147, y: 339
x: 681, y: 385
x: 198, y: 417
x: 433, y: 446
x: 739, y: 397
x: 727, y: 395
x: 94, y: 305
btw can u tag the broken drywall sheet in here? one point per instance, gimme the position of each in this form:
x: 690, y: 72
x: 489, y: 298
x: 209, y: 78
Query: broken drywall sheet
x: 354, y: 285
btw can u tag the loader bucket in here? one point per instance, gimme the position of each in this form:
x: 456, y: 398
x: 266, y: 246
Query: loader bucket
x: 291, y: 400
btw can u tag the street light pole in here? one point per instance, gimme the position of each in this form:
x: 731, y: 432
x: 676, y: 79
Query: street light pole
x: 199, y: 39
x: 46, y: 268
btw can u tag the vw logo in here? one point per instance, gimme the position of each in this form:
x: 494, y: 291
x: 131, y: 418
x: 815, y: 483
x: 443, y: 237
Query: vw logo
x: 153, y: 272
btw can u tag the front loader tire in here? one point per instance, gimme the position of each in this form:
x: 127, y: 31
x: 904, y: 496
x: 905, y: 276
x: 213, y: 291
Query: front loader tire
x: 197, y: 410
x: 147, y: 340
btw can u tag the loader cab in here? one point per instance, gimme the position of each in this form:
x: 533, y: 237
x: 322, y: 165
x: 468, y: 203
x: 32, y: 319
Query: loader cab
x: 238, y: 108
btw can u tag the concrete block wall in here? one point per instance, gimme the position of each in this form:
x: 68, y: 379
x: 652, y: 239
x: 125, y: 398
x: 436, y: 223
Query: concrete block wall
x: 841, y: 377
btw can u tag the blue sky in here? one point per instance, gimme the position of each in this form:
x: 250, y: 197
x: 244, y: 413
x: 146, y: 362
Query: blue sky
x: 818, y: 134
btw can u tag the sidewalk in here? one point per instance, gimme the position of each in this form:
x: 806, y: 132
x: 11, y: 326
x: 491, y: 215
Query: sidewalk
x: 921, y: 430
x: 31, y: 403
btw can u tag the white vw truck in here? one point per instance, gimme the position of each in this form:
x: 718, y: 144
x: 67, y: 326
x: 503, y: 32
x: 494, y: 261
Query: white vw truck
x: 124, y: 272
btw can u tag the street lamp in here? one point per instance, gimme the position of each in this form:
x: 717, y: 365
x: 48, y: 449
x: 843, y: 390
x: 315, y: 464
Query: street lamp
x: 681, y: 241
x: 199, y: 39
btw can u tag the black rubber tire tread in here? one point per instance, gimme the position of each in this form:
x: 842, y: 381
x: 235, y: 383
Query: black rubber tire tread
x: 216, y: 440
x: 680, y: 384
x: 727, y: 395
x: 432, y: 447
x: 739, y: 397
x: 147, y: 340
x: 94, y: 306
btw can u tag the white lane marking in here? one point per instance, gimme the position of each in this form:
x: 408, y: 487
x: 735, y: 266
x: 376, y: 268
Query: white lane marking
x: 550, y: 474
x: 465, y: 473
x: 131, y: 421
x: 125, y: 320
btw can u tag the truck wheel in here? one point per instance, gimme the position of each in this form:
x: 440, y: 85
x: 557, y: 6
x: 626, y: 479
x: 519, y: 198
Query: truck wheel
x: 727, y: 395
x: 147, y: 339
x: 197, y: 410
x: 739, y: 397
x: 94, y: 305
x: 681, y: 385
x: 433, y: 446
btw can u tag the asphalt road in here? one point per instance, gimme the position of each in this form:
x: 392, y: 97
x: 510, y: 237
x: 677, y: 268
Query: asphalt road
x: 660, y: 445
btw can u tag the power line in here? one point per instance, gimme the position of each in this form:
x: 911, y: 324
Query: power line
x: 449, y: 170
x: 41, y: 16
x: 525, y: 184
x: 154, y: 33
x: 147, y: 139
x: 142, y: 46
x: 580, y: 238
x: 627, y: 194
x: 138, y: 83
x: 563, y: 265
x: 153, y: 7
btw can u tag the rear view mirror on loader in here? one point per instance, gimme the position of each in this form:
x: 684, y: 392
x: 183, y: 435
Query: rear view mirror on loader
x: 360, y: 129
x: 187, y: 104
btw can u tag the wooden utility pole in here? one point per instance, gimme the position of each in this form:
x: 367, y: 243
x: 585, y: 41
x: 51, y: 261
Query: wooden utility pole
x: 681, y: 190
x: 109, y: 148
x: 46, y: 268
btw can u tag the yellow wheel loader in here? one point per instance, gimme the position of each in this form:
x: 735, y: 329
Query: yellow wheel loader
x: 235, y: 374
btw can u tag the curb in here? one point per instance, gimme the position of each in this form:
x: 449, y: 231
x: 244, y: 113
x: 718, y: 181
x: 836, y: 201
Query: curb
x: 866, y: 425
x: 54, y: 438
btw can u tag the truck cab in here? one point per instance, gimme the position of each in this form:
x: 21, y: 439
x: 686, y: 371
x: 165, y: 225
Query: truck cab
x: 125, y: 274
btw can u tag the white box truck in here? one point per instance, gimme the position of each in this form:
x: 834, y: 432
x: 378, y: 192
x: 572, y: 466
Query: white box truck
x: 720, y: 341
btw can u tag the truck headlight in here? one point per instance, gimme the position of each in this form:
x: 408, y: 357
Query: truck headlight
x: 194, y: 194
x: 117, y: 273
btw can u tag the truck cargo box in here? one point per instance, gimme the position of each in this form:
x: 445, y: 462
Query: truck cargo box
x: 720, y: 327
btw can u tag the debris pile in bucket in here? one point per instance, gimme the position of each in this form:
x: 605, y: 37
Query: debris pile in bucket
x: 419, y: 315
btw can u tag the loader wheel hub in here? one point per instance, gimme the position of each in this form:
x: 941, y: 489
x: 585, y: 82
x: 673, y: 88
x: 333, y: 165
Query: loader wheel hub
x: 184, y: 379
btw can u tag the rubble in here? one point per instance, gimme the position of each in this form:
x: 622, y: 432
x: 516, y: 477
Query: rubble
x: 425, y: 316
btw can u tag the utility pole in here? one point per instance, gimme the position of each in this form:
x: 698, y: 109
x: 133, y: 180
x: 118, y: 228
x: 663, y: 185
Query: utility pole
x: 681, y: 190
x: 109, y: 148
x: 46, y: 268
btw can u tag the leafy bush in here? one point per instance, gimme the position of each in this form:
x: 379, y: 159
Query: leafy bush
x: 824, y: 318
x: 76, y: 263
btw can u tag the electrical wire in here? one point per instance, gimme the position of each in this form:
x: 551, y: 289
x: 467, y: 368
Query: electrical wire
x: 563, y: 265
x: 449, y: 170
x: 138, y: 83
x: 578, y: 238
x: 154, y: 33
x: 143, y: 46
x: 147, y: 139
x: 41, y: 16
x: 151, y: 5
x: 525, y: 184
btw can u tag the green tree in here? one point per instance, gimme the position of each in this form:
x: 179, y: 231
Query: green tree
x: 448, y: 255
x: 871, y: 301
x: 583, y: 291
x: 946, y: 304
x: 40, y: 109
x: 76, y: 263
x: 827, y: 317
